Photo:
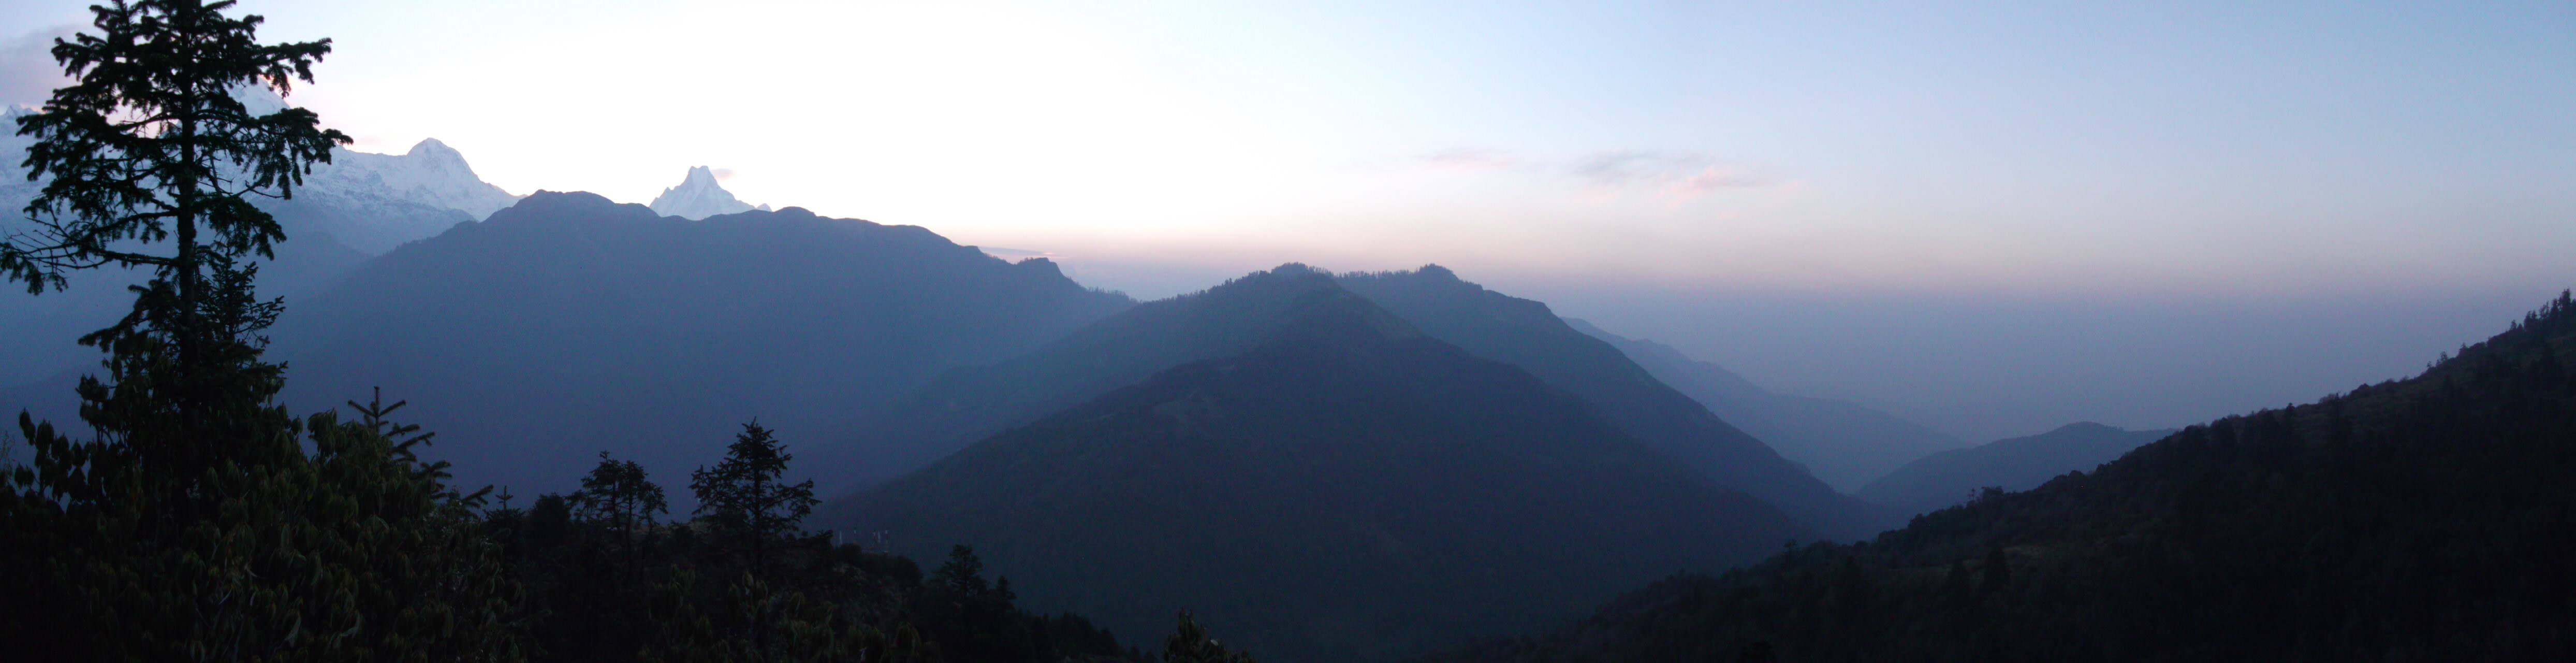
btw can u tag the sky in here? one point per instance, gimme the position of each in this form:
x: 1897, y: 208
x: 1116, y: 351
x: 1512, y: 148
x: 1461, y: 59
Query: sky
x: 2061, y: 210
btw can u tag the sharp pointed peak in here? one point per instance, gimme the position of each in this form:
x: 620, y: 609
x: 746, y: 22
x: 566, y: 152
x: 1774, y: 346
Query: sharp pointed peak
x: 700, y: 195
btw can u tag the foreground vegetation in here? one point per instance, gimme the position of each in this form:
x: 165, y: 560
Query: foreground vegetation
x: 2418, y: 520
x: 198, y: 520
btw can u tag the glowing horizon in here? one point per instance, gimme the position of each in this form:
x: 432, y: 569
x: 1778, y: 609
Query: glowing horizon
x: 2201, y: 150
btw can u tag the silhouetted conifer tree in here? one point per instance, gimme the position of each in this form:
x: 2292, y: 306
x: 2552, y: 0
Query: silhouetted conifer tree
x: 193, y: 523
x: 743, y: 495
x: 617, y: 495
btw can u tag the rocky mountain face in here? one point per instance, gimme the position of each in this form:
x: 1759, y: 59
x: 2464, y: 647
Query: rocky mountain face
x: 699, y: 196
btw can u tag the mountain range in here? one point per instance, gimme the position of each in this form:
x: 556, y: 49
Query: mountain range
x: 1845, y: 444
x: 975, y: 401
x: 1371, y: 466
x: 699, y: 196
x: 567, y: 325
x: 2022, y: 463
x: 357, y: 206
x: 1525, y: 333
x: 2422, y: 519
x: 1331, y: 483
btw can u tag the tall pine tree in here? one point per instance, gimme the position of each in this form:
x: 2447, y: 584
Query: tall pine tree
x: 744, y: 497
x: 617, y: 494
x: 192, y: 522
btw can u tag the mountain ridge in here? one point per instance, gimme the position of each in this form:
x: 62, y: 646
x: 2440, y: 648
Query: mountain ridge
x: 699, y: 196
x: 1281, y: 489
x: 2415, y: 519
x: 1527, y: 334
x: 1845, y: 444
x: 793, y: 318
x: 2013, y: 464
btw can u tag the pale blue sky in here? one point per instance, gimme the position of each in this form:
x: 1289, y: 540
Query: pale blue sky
x: 2174, y: 155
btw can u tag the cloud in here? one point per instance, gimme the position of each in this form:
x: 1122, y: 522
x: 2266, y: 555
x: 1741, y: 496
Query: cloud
x: 1627, y: 167
x: 1673, y: 176
x: 28, y: 74
x: 1712, y: 178
x: 1676, y: 177
x: 1471, y: 159
x: 723, y: 174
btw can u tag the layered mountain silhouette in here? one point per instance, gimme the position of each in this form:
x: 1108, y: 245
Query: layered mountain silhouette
x: 969, y: 403
x: 1845, y: 444
x: 973, y: 402
x: 357, y: 206
x: 1334, y: 485
x: 375, y: 202
x: 699, y: 196
x: 567, y: 324
x: 1526, y: 334
x: 2022, y: 463
x: 2424, y: 519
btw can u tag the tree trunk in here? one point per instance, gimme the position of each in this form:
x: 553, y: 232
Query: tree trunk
x: 185, y: 198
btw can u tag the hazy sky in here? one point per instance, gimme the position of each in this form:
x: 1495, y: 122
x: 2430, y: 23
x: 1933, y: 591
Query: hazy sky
x: 1638, y: 163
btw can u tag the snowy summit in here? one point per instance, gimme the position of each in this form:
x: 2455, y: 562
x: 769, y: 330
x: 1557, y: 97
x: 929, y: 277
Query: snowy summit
x: 699, y: 197
x: 431, y: 174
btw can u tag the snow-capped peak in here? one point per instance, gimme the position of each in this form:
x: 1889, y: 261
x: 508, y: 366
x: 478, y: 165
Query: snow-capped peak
x: 430, y: 148
x: 431, y: 173
x: 699, y: 196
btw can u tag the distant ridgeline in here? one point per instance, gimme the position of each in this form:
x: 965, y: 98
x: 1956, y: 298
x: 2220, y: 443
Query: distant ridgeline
x: 970, y: 403
x: 358, y: 206
x: 1845, y: 444
x: 2021, y: 463
x: 568, y: 324
x: 2425, y: 519
x: 1322, y: 477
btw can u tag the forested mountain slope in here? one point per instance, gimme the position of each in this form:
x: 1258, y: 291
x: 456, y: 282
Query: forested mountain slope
x: 567, y: 325
x: 2420, y: 520
x: 1843, y: 443
x: 970, y: 402
x: 1344, y: 488
x: 2021, y: 463
x: 1524, y: 333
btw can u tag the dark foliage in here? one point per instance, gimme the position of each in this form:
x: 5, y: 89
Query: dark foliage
x: 737, y: 586
x: 743, y: 498
x: 197, y: 521
x: 2420, y: 520
x: 1190, y: 643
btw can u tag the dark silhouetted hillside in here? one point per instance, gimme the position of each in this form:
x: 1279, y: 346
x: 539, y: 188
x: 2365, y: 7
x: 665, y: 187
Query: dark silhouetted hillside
x: 1340, y: 488
x: 1845, y: 444
x: 43, y: 332
x: 1526, y: 334
x: 969, y: 403
x: 568, y: 324
x: 358, y: 206
x: 2419, y: 520
x: 2022, y: 463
